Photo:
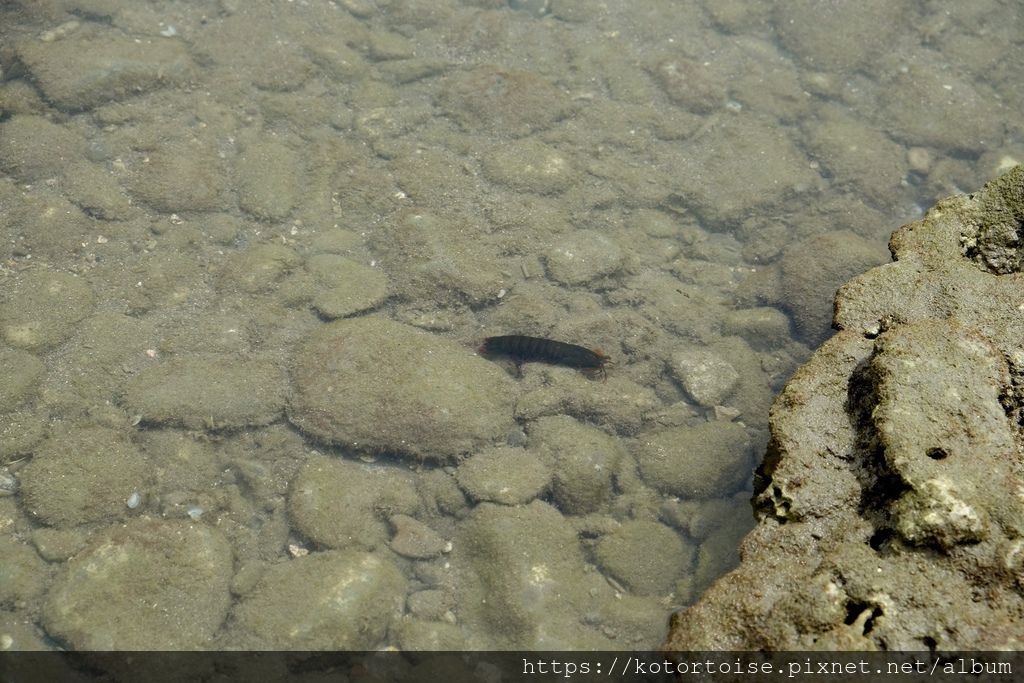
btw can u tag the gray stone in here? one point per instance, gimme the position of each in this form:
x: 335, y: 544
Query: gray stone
x: 647, y: 557
x: 585, y: 461
x: 180, y: 176
x: 582, y: 256
x: 808, y: 29
x: 345, y: 287
x: 433, y: 258
x: 414, y: 539
x: 506, y: 100
x: 522, y: 568
x: 269, y: 179
x: 258, y: 268
x: 24, y: 573
x: 529, y: 166
x: 763, y: 328
x: 739, y: 165
x: 813, y: 268
x: 34, y: 148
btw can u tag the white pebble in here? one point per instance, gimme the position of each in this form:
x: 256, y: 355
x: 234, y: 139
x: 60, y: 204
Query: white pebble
x: 134, y: 500
x: 195, y: 512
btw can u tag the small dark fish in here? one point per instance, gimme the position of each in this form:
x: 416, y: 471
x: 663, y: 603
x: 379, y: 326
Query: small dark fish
x: 523, y: 349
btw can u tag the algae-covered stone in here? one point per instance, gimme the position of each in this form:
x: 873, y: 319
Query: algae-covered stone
x: 20, y: 430
x: 374, y: 384
x: 583, y: 256
x: 345, y: 287
x: 503, y: 474
x: 180, y: 176
x: 812, y: 270
x: 507, y: 100
x: 339, y: 503
x: 35, y: 148
x: 738, y: 165
x: 707, y: 377
x: 531, y: 166
x: 523, y: 576
x: 763, y: 328
x: 710, y: 460
x: 85, y: 474
x: 211, y: 391
x: 431, y: 257
x: 21, y: 372
x: 90, y: 68
x: 585, y: 462
x: 269, y: 179
x: 41, y: 308
x: 647, y: 557
x: 335, y: 600
x: 419, y: 634
x: 147, y: 585
x: 414, y: 539
x: 258, y: 268
x: 22, y: 573
x: 113, y: 342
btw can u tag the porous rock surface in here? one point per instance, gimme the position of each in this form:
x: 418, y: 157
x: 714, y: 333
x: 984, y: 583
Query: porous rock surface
x: 889, y: 498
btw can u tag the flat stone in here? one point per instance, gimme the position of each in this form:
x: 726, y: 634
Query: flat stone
x: 43, y: 307
x: 334, y: 600
x: 82, y: 71
x: 269, y: 178
x: 21, y: 372
x: 339, y: 503
x: 503, y: 474
x: 707, y: 377
x: 414, y: 539
x: 345, y: 287
x: 85, y: 474
x: 583, y: 256
x: 208, y: 391
x: 629, y: 555
x: 710, y: 460
x: 373, y: 384
x: 148, y: 585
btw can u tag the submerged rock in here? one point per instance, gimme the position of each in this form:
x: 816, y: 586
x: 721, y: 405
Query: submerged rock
x: 894, y: 467
x: 148, y: 585
x: 377, y: 385
x: 335, y: 600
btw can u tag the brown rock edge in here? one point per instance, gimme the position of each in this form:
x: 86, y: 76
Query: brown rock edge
x: 890, y: 502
